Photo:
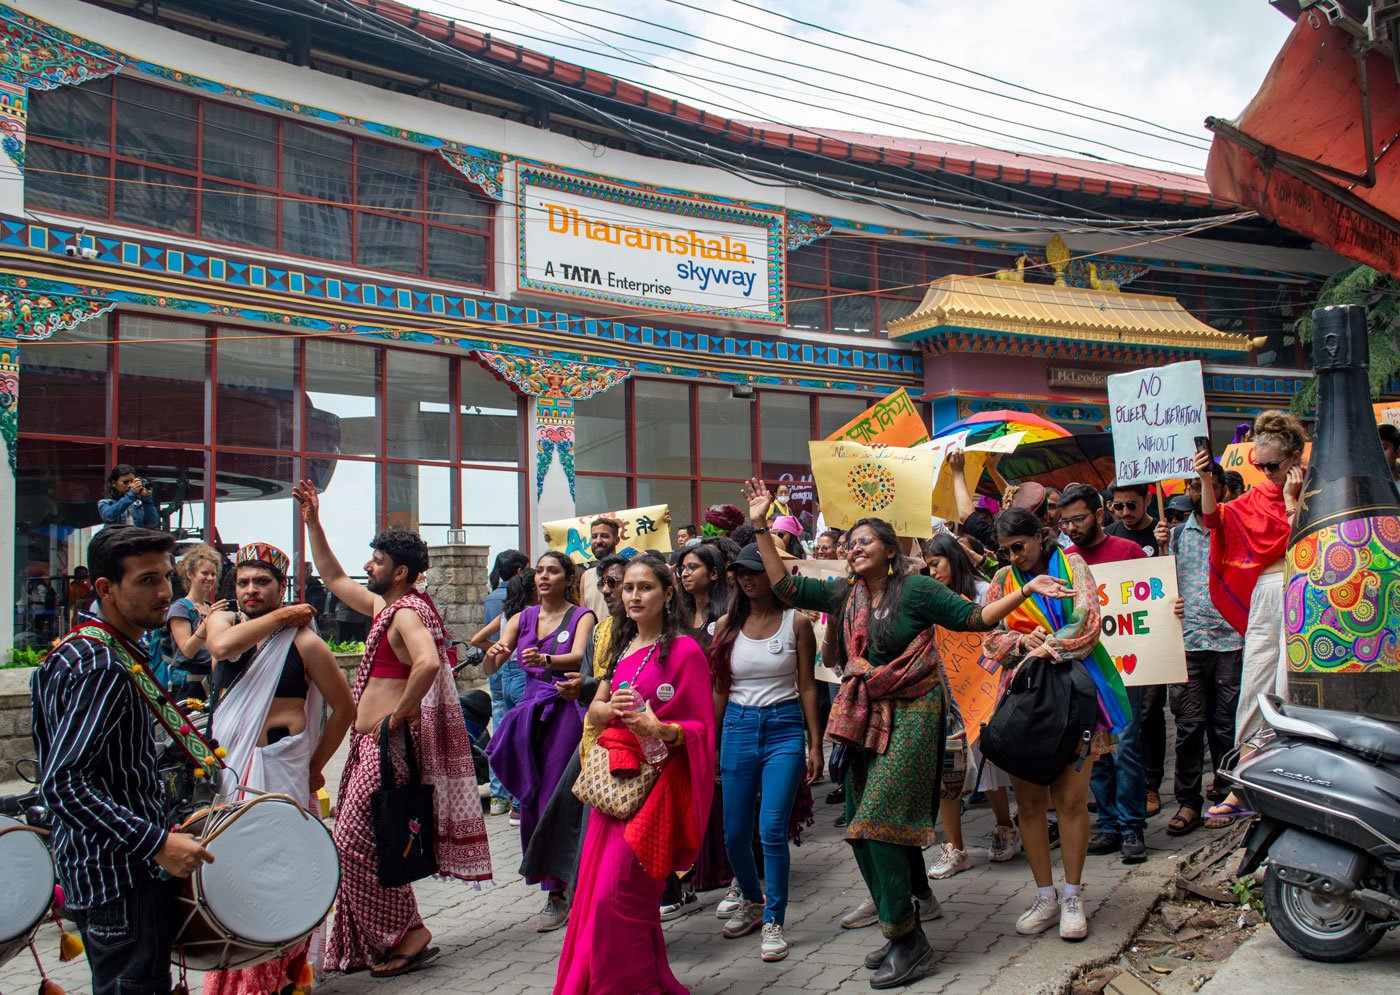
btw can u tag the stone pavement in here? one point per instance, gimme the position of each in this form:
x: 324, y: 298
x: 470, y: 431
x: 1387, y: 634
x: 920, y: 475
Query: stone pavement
x: 490, y: 946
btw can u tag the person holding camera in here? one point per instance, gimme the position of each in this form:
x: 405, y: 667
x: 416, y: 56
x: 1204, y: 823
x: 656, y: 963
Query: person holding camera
x: 129, y: 500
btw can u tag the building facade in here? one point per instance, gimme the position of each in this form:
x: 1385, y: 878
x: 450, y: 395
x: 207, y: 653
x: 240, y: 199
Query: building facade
x: 236, y: 254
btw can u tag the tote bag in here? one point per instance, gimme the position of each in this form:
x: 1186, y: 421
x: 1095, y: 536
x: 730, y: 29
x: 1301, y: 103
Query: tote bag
x: 405, y: 833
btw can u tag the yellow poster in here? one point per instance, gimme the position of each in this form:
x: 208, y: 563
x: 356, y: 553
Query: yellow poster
x: 643, y: 529
x: 976, y: 458
x: 890, y: 421
x: 821, y: 570
x: 855, y: 482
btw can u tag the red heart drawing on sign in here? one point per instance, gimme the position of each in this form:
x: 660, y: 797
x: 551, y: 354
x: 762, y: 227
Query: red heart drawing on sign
x: 1128, y: 663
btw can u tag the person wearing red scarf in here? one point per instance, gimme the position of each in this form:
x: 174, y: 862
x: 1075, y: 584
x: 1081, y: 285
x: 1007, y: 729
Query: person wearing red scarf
x: 1248, y: 537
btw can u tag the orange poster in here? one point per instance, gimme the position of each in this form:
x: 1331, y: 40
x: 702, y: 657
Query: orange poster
x: 1237, y: 457
x: 973, y: 680
x: 891, y: 421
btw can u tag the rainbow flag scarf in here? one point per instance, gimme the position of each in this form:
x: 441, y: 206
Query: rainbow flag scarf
x: 1052, y: 614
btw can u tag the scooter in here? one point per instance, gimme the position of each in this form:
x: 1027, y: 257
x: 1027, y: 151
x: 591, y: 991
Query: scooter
x: 1327, y: 792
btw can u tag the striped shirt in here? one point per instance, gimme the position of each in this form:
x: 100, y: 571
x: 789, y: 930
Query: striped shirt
x: 97, y: 757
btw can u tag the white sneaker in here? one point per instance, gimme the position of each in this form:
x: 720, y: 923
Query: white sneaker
x: 774, y: 945
x: 731, y: 903
x: 1006, y: 843
x: 864, y: 914
x: 929, y: 909
x: 950, y: 861
x: 745, y: 921
x: 1040, y: 916
x: 1073, y: 924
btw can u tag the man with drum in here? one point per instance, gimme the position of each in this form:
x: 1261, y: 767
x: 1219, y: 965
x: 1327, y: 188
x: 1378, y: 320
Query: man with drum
x: 275, y: 676
x: 404, y: 677
x: 97, y: 761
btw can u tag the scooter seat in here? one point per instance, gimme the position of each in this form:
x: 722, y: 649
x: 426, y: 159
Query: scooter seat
x: 1369, y: 735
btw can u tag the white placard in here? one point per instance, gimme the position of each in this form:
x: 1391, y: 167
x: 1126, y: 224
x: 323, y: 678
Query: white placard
x: 622, y: 245
x: 1157, y: 414
x: 1137, y: 602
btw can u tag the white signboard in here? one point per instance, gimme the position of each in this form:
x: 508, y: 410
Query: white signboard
x: 1157, y: 414
x: 623, y: 245
x: 1137, y: 602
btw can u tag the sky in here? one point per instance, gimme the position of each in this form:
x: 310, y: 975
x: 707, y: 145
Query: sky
x: 1171, y: 64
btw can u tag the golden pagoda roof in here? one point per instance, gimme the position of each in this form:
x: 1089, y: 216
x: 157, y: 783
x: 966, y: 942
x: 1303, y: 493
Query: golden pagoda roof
x: 1067, y: 313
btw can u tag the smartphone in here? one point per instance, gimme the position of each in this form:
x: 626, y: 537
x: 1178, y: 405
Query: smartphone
x: 1203, y: 445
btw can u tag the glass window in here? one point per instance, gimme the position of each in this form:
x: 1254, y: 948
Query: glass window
x: 154, y: 198
x: 452, y: 200
x: 808, y: 264
x: 806, y: 308
x: 833, y: 412
x: 491, y: 509
x: 419, y: 410
x: 237, y: 214
x: 254, y: 500
x: 595, y: 495
x: 156, y: 125
x: 662, y: 414
x: 57, y: 487
x: 62, y: 180
x: 65, y: 381
x: 349, y: 507
x: 177, y: 479
x: 239, y: 145
x: 852, y: 315
x: 420, y: 499
x: 600, y: 430
x: 75, y: 115
x: 321, y: 231
x: 713, y: 492
x: 786, y: 423
x: 852, y: 264
x: 160, y: 393
x: 459, y: 257
x: 893, y: 308
x: 674, y: 493
x: 389, y: 179
x: 901, y: 267
x: 490, y: 418
x: 341, y: 410
x: 256, y: 389
x: 389, y: 243
x: 316, y: 163
x: 725, y: 442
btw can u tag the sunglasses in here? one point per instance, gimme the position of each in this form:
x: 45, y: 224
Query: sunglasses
x: 1176, y: 516
x: 1013, y: 549
x: 1124, y: 506
x: 862, y: 542
x: 605, y: 582
x: 1271, y: 467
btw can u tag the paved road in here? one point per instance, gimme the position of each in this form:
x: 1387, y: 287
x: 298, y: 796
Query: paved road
x: 489, y: 944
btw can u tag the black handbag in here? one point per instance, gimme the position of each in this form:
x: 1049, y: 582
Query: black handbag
x: 1043, y: 722
x: 405, y: 830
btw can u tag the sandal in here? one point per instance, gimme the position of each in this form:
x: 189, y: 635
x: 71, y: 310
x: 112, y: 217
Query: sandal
x: 1220, y: 816
x: 411, y: 962
x: 1180, y: 825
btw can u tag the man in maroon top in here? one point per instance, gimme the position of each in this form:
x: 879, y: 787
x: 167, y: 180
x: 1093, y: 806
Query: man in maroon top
x: 1118, y: 779
x: 1081, y: 518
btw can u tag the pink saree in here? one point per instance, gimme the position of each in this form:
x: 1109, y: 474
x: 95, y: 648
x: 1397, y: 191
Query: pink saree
x: 614, y: 944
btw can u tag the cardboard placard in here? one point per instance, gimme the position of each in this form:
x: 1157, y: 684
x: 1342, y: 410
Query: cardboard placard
x: 822, y: 570
x: 1240, y: 458
x: 855, y: 482
x: 1137, y: 599
x: 973, y: 679
x: 1156, y: 414
x: 890, y: 421
x: 643, y: 529
x: 1387, y: 413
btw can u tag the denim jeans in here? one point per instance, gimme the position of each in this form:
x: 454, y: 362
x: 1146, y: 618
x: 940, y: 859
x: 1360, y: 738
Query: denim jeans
x: 1118, y: 779
x: 763, y: 750
x: 507, y: 686
x: 128, y: 940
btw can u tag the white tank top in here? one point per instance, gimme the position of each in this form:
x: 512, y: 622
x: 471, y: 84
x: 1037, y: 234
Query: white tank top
x: 765, y: 670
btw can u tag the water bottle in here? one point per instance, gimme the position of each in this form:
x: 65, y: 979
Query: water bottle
x: 653, y: 750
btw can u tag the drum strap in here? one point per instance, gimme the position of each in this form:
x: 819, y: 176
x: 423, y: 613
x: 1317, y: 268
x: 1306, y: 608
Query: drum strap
x: 157, y: 699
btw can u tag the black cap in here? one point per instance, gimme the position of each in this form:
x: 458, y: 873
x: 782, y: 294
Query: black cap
x: 1181, y: 503
x: 749, y: 558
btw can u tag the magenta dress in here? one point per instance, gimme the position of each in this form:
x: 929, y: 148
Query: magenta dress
x: 614, y: 944
x: 538, y: 737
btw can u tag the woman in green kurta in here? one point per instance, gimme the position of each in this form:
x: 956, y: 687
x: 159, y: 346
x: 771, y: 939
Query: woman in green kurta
x: 889, y: 711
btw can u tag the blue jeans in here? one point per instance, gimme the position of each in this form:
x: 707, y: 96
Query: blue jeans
x: 763, y: 749
x: 1119, y: 781
x: 507, y: 687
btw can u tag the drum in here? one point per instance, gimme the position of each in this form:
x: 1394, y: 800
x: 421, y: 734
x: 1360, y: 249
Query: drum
x: 27, y: 870
x: 274, y: 877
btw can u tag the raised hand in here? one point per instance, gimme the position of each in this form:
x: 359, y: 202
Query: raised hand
x: 1201, y: 464
x: 310, y: 502
x: 1293, y: 485
x: 759, y: 499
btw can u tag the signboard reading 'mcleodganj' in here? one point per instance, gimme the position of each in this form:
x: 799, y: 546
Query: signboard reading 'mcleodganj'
x: 615, y: 244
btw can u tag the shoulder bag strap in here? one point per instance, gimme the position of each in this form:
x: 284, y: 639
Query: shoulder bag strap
x: 386, y: 764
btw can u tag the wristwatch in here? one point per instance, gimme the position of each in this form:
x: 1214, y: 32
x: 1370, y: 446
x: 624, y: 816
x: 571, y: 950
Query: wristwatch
x: 548, y: 661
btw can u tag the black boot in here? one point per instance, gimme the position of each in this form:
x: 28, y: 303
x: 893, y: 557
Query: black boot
x: 910, y: 958
x: 877, y: 957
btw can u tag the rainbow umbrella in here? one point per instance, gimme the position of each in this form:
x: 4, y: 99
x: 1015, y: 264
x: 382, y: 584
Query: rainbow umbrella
x: 990, y: 424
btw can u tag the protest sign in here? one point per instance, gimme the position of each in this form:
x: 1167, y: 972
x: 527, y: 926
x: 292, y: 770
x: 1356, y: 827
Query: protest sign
x: 1157, y: 414
x: 890, y: 421
x: 1240, y: 458
x: 976, y: 458
x: 1137, y: 599
x: 821, y: 570
x: 973, y: 679
x: 855, y: 482
x: 1387, y: 413
x: 643, y: 529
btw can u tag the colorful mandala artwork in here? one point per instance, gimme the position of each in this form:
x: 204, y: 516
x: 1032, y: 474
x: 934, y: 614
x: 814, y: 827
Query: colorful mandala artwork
x: 1342, y: 604
x: 871, y: 486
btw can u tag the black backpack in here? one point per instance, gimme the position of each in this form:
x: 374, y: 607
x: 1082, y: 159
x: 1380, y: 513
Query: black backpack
x: 1043, y: 722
